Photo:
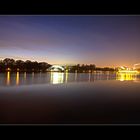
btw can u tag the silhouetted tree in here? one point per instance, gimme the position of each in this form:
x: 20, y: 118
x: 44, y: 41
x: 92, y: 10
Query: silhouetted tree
x: 35, y: 66
x: 20, y: 65
x: 2, y: 66
x: 92, y: 67
x: 9, y: 63
x: 28, y: 65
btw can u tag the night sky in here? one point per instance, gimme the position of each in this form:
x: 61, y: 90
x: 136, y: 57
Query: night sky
x: 101, y: 40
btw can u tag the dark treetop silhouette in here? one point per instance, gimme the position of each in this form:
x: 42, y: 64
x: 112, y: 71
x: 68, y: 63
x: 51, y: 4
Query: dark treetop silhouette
x: 19, y: 65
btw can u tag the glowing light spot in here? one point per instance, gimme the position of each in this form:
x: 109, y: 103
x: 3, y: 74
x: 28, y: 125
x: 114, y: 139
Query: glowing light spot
x: 8, y: 69
x: 17, y: 78
x: 8, y: 78
x: 89, y: 78
x: 126, y: 77
x: 57, y: 78
x: 66, y: 76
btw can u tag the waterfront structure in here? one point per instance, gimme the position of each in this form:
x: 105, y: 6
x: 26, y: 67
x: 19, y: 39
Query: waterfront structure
x: 56, y: 68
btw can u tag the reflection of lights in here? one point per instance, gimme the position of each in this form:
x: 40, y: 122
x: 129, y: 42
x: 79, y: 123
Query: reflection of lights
x: 137, y: 81
x: 75, y: 76
x: 33, y: 74
x: 8, y: 78
x: 89, y: 77
x: 107, y: 76
x: 57, y: 77
x: 17, y: 78
x: 40, y: 74
x: 125, y: 76
x: 24, y: 75
x: 66, y: 77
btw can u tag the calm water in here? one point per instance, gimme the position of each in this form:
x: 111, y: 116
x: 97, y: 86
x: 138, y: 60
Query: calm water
x: 69, y: 98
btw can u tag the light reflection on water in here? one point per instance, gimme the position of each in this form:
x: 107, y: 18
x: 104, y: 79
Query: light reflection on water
x: 8, y: 78
x: 17, y: 78
x: 127, y: 77
x: 66, y: 77
x: 24, y: 75
x: 57, y: 78
x: 61, y: 78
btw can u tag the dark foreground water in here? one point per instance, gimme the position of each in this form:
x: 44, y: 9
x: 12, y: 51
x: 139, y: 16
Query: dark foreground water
x: 69, y: 98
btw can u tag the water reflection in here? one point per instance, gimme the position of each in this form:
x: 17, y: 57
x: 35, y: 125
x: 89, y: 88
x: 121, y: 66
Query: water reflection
x: 89, y: 77
x: 33, y: 74
x: 24, y: 75
x: 17, y: 78
x: 57, y: 77
x: 8, y: 78
x: 126, y: 77
x: 66, y: 77
x: 75, y: 76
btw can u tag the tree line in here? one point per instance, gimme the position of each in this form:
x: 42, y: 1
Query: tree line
x: 19, y: 65
x: 89, y: 68
x: 9, y: 64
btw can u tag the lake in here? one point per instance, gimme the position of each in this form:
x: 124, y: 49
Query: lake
x: 69, y: 98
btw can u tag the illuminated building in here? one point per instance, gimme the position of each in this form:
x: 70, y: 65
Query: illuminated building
x: 56, y: 68
x: 127, y: 70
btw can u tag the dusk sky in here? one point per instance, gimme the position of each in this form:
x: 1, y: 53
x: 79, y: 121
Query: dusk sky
x: 101, y: 40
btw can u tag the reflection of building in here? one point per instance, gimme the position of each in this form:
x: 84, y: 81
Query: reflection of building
x: 126, y: 76
x: 57, y: 77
